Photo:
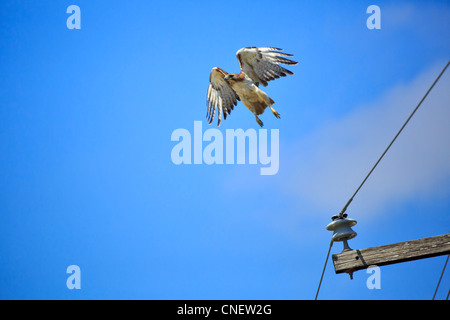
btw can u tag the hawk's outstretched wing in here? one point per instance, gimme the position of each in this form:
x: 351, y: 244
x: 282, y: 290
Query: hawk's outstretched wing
x: 262, y: 64
x: 220, y: 95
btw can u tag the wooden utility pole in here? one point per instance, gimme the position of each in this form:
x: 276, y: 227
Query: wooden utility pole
x: 353, y: 260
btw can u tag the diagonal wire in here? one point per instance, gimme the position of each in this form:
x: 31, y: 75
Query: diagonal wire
x: 440, y: 278
x: 341, y: 214
x: 320, y: 282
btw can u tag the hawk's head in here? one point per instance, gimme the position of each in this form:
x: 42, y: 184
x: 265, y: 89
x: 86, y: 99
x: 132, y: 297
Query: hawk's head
x: 233, y: 77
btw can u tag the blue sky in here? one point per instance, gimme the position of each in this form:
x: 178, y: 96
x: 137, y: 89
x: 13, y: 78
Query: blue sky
x: 86, y: 176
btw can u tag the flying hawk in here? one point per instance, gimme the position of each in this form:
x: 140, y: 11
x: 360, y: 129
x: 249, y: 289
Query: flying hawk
x: 258, y: 66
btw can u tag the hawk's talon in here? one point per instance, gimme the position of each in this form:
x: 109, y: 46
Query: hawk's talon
x: 259, y: 122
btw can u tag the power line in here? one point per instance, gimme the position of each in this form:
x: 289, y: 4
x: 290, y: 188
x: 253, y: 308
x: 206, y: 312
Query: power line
x: 321, y: 277
x: 341, y: 214
x: 398, y: 133
x: 440, y: 278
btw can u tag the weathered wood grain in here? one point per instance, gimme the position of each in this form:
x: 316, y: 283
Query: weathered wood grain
x: 353, y: 260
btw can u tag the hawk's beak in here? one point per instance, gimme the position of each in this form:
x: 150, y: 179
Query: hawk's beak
x: 227, y: 77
